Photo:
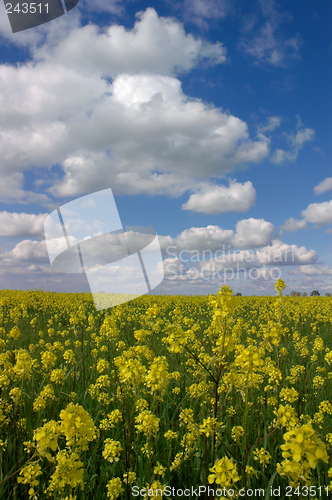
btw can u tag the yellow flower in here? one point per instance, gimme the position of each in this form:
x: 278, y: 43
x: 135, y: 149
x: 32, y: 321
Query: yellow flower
x: 160, y: 470
x: 147, y: 423
x: 302, y: 451
x: 69, y: 471
x: 262, y: 456
x: 114, y: 488
x: 289, y: 395
x: 112, y: 450
x: 28, y: 475
x: 157, y: 376
x: 130, y: 477
x: 169, y: 435
x: 47, y: 437
x: 237, y: 432
x: 77, y: 426
x: 224, y: 473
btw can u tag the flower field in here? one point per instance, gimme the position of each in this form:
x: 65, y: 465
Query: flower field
x: 226, y: 392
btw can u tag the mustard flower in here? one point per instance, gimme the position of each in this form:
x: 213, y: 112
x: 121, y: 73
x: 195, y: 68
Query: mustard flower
x: 155, y: 490
x: 69, y: 471
x: 129, y: 477
x: 147, y: 423
x: 302, y: 451
x: 159, y: 470
x: 102, y: 365
x: 112, y: 450
x: 289, y: 395
x: 169, y: 435
x: 28, y: 475
x: 262, y: 456
x: 77, y: 426
x: 24, y: 364
x: 237, y: 432
x: 286, y: 416
x: 48, y: 360
x: 114, y: 488
x: 58, y: 375
x: 158, y: 376
x: 224, y: 473
x: 47, y: 437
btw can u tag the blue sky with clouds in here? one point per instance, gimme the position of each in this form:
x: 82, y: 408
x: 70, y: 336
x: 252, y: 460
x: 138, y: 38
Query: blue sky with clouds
x: 210, y: 120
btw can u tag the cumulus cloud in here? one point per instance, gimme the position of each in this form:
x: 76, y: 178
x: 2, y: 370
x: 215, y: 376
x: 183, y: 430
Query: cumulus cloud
x: 310, y: 270
x: 325, y: 185
x: 197, y: 238
x: 26, y: 251
x: 14, y: 224
x: 250, y: 233
x: 155, y: 45
x: 293, y: 225
x: 297, y: 141
x: 222, y: 266
x: 139, y: 133
x: 284, y: 254
x: 215, y: 199
x: 319, y: 214
x: 153, y: 130
x: 11, y: 191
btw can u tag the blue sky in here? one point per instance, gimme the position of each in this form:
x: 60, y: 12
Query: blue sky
x: 210, y: 121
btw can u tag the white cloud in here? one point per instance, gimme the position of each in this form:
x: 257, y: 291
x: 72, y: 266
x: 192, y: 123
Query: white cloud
x: 215, y: 199
x: 252, y: 233
x: 151, y: 136
x: 325, y: 185
x: 280, y: 253
x: 318, y: 213
x: 297, y: 141
x: 268, y: 48
x: 272, y: 124
x: 139, y: 134
x: 261, y: 264
x: 26, y: 251
x: 310, y: 270
x: 11, y: 191
x: 268, y: 44
x: 13, y: 224
x: 293, y: 225
x: 201, y: 12
x: 155, y: 45
x: 197, y: 238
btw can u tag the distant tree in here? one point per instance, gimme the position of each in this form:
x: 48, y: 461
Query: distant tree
x: 295, y: 294
x: 238, y: 294
x: 314, y: 293
x: 328, y: 294
x: 304, y: 294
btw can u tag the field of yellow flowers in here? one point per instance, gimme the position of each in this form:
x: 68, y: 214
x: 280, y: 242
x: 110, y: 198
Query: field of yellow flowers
x: 163, y: 395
